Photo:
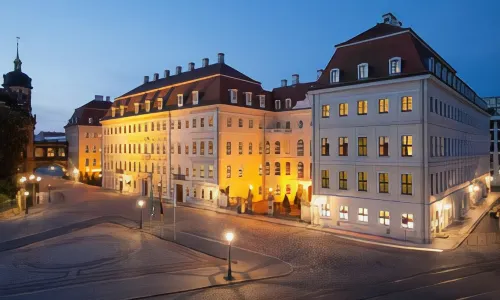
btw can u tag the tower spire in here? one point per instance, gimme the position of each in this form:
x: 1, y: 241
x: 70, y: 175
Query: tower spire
x: 17, y: 61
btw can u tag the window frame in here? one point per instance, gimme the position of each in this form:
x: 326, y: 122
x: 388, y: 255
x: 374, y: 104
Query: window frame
x: 334, y: 75
x: 406, y: 147
x: 248, y: 98
x: 407, y: 184
x: 383, y: 106
x: 363, y: 214
x: 406, y: 104
x: 398, y: 68
x: 180, y: 100
x: 362, y: 148
x: 325, y: 179
x: 343, y: 144
x: 325, y: 147
x: 362, y: 107
x: 277, y: 104
x: 344, y: 213
x: 362, y: 71
x: 362, y: 181
x: 325, y: 111
x: 343, y: 109
x: 407, y: 225
x: 233, y: 96
x: 384, y: 218
x: 343, y: 180
x: 383, y: 185
x: 383, y: 144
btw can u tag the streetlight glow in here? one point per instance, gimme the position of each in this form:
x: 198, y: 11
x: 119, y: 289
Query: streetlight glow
x: 22, y: 180
x: 38, y: 178
x: 140, y: 203
x: 471, y: 188
x: 270, y: 190
x: 32, y: 177
x: 476, y: 188
x: 26, y: 193
x: 229, y: 236
x: 75, y: 171
x: 250, y: 187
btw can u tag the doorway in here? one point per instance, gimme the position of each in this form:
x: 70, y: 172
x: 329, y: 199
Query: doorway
x: 121, y: 185
x: 178, y: 192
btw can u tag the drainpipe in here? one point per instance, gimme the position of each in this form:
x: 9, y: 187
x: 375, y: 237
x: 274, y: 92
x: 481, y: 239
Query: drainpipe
x: 425, y: 163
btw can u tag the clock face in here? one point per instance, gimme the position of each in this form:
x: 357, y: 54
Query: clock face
x: 301, y: 124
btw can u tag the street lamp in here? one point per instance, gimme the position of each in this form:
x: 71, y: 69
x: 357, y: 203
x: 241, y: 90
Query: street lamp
x: 140, y: 203
x: 26, y: 194
x: 229, y: 238
x: 32, y: 177
x: 49, y: 187
x: 75, y: 173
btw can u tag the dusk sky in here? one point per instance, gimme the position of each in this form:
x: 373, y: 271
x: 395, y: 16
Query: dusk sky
x: 75, y: 49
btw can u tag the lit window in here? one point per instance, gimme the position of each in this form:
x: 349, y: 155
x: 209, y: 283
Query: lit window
x: 362, y: 181
x: 180, y: 100
x: 383, y: 106
x: 210, y: 148
x: 342, y: 180
x: 343, y: 146
x: 325, y: 147
x: 277, y: 104
x: 300, y: 170
x: 407, y: 221
x: 395, y: 65
x: 325, y: 210
x: 186, y: 149
x: 228, y: 148
x: 194, y: 123
x: 343, y: 109
x: 277, y: 147
x: 407, y: 184
x: 406, y: 104
x: 210, y: 121
x: 268, y: 168
x: 160, y: 103
x: 287, y: 168
x: 268, y: 148
x: 248, y: 98
x: 202, y: 171
x: 288, y: 103
x: 240, y: 122
x: 262, y: 101
x: 229, y: 122
x: 210, y: 171
x: 240, y: 148
x: 344, y: 212
x: 406, y: 145
x: 277, y: 168
x: 228, y: 172
x: 325, y: 179
x: 383, y: 218
x: 362, y: 107
x: 250, y: 148
x: 363, y: 214
x: 362, y: 146
x: 148, y: 106
x: 202, y: 148
x: 383, y: 146
x: 383, y: 183
x: 194, y: 95
x: 194, y: 148
x: 325, y: 111
x: 334, y: 75
x: 90, y: 120
x: 233, y: 94
x: 363, y: 71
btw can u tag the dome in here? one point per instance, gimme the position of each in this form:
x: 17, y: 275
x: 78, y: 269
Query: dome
x: 16, y: 79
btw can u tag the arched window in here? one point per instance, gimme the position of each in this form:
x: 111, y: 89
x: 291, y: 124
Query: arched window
x: 288, y: 103
x: 300, y: 170
x: 250, y: 148
x: 210, y: 148
x: 268, y: 148
x: 260, y: 148
x: 277, y: 147
x: 268, y: 168
x: 277, y: 168
x: 300, y: 148
x: 395, y: 65
x: 202, y: 148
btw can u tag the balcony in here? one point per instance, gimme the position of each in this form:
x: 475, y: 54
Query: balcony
x: 179, y: 177
x: 278, y: 130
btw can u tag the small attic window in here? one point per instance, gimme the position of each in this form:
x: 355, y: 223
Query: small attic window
x: 160, y: 103
x: 136, y: 108
x: 233, y: 94
x: 395, y: 65
x: 363, y: 71
x: 334, y: 75
x: 431, y: 64
x: 277, y: 104
x: 288, y: 103
x: 262, y: 101
x: 180, y: 100
x: 195, y: 96
x: 148, y: 105
x: 248, y: 98
x: 122, y: 110
x: 113, y: 111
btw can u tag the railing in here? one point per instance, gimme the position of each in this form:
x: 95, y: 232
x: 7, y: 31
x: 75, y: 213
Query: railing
x: 179, y: 177
x: 279, y: 130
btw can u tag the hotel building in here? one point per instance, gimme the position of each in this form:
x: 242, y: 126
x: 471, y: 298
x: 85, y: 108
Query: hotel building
x: 400, y: 142
x: 494, y: 110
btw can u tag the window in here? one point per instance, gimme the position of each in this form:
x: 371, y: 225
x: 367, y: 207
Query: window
x: 325, y: 147
x: 180, y: 100
x: 248, y: 99
x: 383, y: 183
x: 325, y: 210
x: 383, y: 106
x: 240, y: 122
x: 194, y: 148
x: 240, y: 148
x: 325, y: 179
x: 383, y: 218
x: 277, y: 168
x: 277, y: 147
x: 228, y: 148
x: 362, y: 107
x: 136, y: 108
x: 342, y: 180
x: 202, y: 148
x: 407, y: 221
x: 250, y: 148
x: 288, y: 103
x: 160, y: 103
x: 194, y: 95
x: 229, y: 122
x: 287, y: 168
x: 406, y: 104
x: 178, y: 148
x: 363, y: 214
x: 363, y: 71
x: 383, y: 146
x: 300, y: 148
x: 277, y: 104
x: 268, y: 168
x: 407, y: 145
x: 334, y: 75
x: 262, y: 101
x: 343, y: 109
x: 395, y: 65
x: 343, y: 146
x: 250, y: 123
x: 210, y: 121
x: 228, y: 172
x: 148, y: 105
x: 362, y: 146
x: 87, y: 162
x: 202, y: 122
x: 406, y: 184
x: 210, y: 148
x: 268, y: 147
x: 194, y: 123
x: 325, y: 111
x: 187, y: 124
x: 362, y: 182
x: 233, y: 96
x: 210, y: 171
x: 260, y: 147
x: 202, y: 171
x: 344, y: 212
x: 179, y: 125
x: 300, y: 170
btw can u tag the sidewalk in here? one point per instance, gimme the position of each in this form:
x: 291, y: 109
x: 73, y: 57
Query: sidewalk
x: 457, y: 233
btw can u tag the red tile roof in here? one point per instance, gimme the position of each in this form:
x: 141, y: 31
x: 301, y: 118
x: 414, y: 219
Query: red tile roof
x: 95, y: 109
x: 376, y: 31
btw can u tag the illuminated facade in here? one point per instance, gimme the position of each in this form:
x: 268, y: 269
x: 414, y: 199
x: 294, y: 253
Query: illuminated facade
x: 205, y: 130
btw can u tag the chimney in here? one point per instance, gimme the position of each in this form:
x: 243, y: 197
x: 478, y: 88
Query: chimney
x: 98, y: 97
x: 178, y: 70
x: 220, y: 57
x: 166, y: 73
x: 295, y: 79
x: 146, y: 79
x: 156, y: 76
x: 390, y: 19
x: 204, y: 62
x: 319, y: 72
x: 283, y: 82
x: 108, y: 98
x: 191, y: 66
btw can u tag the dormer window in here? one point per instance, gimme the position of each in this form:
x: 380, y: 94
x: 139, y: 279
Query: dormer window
x: 438, y: 69
x: 233, y: 95
x: 90, y: 120
x: 122, y: 110
x: 444, y: 73
x: 160, y: 103
x: 248, y: 98
x: 136, y: 108
x: 430, y: 63
x: 180, y: 100
x: 148, y: 105
x: 262, y: 101
x: 395, y: 65
x: 195, y: 94
x: 334, y: 75
x: 277, y: 104
x: 288, y: 103
x: 362, y: 71
x: 113, y: 112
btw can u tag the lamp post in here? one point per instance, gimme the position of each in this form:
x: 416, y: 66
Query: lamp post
x: 229, y: 237
x: 22, y: 180
x: 49, y: 187
x: 140, y: 203
x: 38, y: 179
x: 26, y: 194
